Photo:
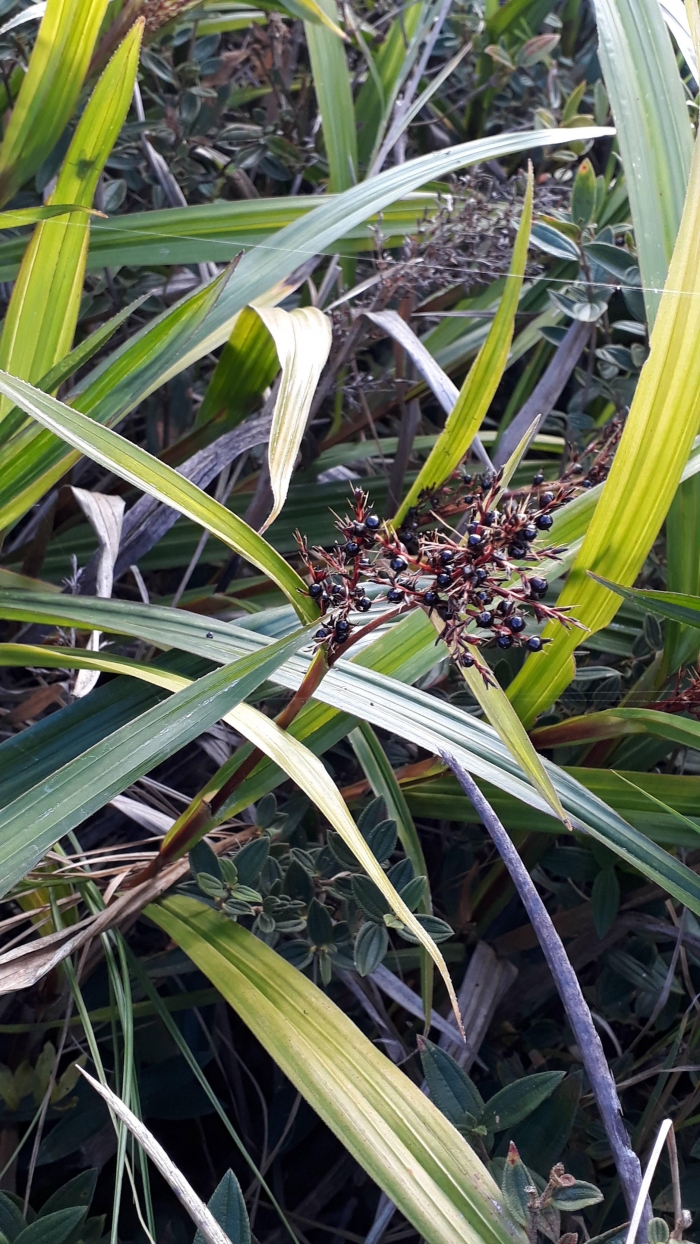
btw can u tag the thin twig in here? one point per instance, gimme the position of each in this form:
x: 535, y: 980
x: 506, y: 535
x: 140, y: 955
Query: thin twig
x: 577, y: 1011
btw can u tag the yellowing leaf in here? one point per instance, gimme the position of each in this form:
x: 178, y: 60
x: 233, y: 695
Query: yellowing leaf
x: 483, y: 379
x: 45, y: 302
x: 645, y: 473
x: 50, y: 90
x: 392, y: 1129
x: 500, y: 713
x: 303, y: 340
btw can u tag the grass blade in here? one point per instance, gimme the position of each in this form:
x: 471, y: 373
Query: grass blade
x: 50, y: 90
x: 133, y: 464
x: 654, y: 133
x: 382, y: 1118
x: 645, y: 473
x: 43, y: 310
x: 303, y: 340
x: 31, y: 823
x: 331, y: 80
x: 483, y: 379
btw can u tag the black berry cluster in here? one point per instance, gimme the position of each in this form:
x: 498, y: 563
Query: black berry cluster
x: 480, y: 580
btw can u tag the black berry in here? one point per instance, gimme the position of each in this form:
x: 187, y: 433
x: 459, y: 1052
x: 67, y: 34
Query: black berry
x: 372, y: 522
x: 474, y: 541
x: 547, y: 498
x: 431, y: 598
x: 545, y: 521
x: 505, y: 641
x: 446, y: 557
x: 517, y: 550
x: 489, y: 519
x: 538, y: 585
x: 316, y: 590
x: 538, y: 479
x: 534, y: 643
x: 480, y: 574
x: 210, y: 635
x: 516, y: 623
x: 485, y: 619
x: 322, y: 633
x: 443, y: 579
x: 398, y: 564
x: 364, y: 605
x: 467, y: 661
x: 529, y: 533
x: 352, y: 548
x: 394, y: 595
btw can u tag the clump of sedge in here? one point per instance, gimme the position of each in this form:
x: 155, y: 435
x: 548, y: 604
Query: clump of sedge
x: 480, y: 579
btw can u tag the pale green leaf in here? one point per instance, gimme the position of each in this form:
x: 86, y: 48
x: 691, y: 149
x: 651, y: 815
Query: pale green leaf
x: 303, y: 340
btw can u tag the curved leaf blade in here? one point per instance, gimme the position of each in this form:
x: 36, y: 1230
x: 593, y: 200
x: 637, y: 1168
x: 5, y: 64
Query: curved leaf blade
x: 140, y: 468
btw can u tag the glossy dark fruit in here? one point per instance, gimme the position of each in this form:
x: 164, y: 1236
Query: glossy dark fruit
x: 547, y: 498
x: 322, y: 633
x: 372, y: 522
x: 316, y: 590
x: 359, y: 529
x: 210, y: 635
x: 529, y: 533
x: 352, y: 548
x: 534, y: 643
x: 446, y: 557
x: 586, y: 483
x: 342, y: 626
x: 474, y: 541
x: 489, y: 519
x: 467, y: 477
x: 394, y: 595
x: 480, y: 574
x: 538, y: 585
x: 485, y: 619
x: 431, y: 598
x: 538, y: 479
x: 443, y: 579
x: 484, y: 597
x: 364, y: 604
x: 466, y: 661
x: 545, y: 522
x: 516, y: 624
x: 518, y: 550
x: 398, y: 564
x: 505, y: 641
x: 504, y: 607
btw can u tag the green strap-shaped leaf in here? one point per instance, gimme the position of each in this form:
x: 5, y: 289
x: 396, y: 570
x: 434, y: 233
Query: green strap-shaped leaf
x: 653, y: 129
x: 331, y: 78
x: 43, y: 310
x: 133, y: 464
x: 382, y: 1118
x: 369, y: 683
x: 190, y: 330
x: 655, y: 445
x: 483, y: 379
x: 50, y: 90
x: 614, y: 723
x: 33, y: 822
